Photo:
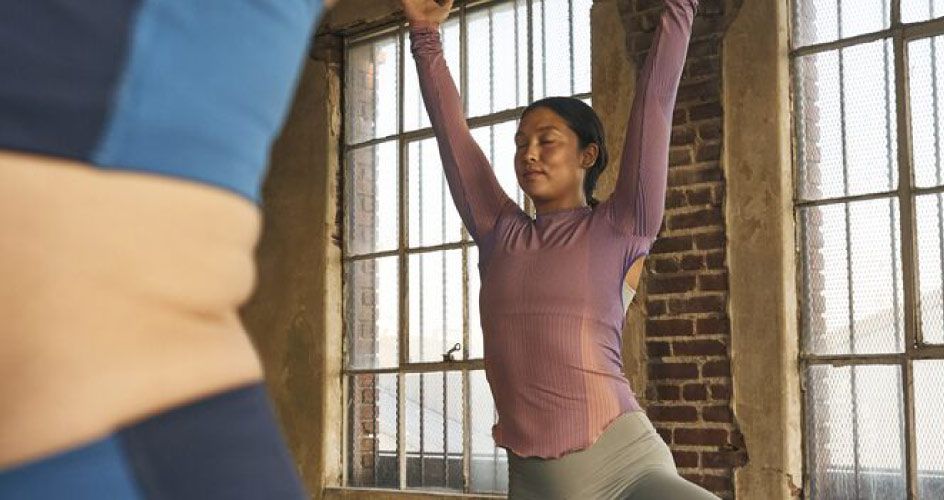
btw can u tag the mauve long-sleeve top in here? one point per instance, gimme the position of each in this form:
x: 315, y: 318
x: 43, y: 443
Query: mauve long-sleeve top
x: 550, y: 301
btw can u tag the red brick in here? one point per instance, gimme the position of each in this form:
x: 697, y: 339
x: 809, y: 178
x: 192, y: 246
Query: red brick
x: 721, y: 391
x: 705, y: 111
x: 714, y: 260
x: 696, y: 174
x: 717, y: 414
x: 698, y: 90
x: 656, y: 307
x: 669, y: 327
x: 709, y: 241
x: 712, y: 326
x: 699, y: 195
x: 664, y: 371
x: 685, y: 459
x: 695, y: 392
x: 658, y: 349
x: 699, y: 348
x: 665, y: 265
x: 705, y: 66
x: 691, y: 262
x: 703, y: 49
x: 699, y: 304
x: 659, y: 284
x: 713, y: 282
x: 675, y: 199
x: 668, y: 392
x: 666, y: 435
x: 708, y: 152
x: 672, y: 244
x: 698, y: 218
x: 717, y: 195
x: 680, y: 156
x: 682, y: 136
x: 660, y: 413
x: 723, y: 459
x: 709, y: 131
x: 700, y: 437
x: 716, y: 369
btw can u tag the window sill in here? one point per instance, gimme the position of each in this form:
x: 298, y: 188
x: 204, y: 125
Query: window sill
x: 351, y: 493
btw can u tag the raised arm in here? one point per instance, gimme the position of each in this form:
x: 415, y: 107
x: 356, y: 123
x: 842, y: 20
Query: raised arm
x: 475, y: 190
x: 637, y: 204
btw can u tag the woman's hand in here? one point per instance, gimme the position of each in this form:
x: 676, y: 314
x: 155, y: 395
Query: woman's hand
x: 426, y: 11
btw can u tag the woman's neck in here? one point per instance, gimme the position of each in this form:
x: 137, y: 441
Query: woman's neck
x: 558, y: 205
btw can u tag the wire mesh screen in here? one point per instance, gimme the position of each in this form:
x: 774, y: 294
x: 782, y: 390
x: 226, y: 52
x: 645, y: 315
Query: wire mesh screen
x: 852, y: 297
x: 846, y: 119
x: 372, y: 430
x: 821, y: 21
x: 855, y: 442
x: 497, y: 141
x: 921, y: 10
x: 930, y: 215
x: 561, y: 28
x: 926, y: 76
x: 434, y: 440
x: 372, y: 314
x: 498, y: 57
x: 929, y: 419
x: 489, y: 467
x: 433, y: 216
x: 414, y: 111
x: 476, y: 347
x: 858, y: 341
x: 370, y: 199
x: 371, y: 83
x: 436, y: 304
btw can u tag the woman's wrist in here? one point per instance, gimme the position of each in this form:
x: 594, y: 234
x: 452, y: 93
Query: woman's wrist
x: 420, y: 25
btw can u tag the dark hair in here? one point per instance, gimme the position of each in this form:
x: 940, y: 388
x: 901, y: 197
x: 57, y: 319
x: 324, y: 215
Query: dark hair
x: 586, y: 124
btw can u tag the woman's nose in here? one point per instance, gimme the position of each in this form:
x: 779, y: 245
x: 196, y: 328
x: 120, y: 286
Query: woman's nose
x: 531, y: 155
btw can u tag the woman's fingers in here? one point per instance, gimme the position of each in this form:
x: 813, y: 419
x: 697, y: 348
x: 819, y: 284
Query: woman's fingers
x: 426, y: 10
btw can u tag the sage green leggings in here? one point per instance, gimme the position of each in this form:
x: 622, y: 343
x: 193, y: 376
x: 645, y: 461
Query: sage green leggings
x: 628, y: 462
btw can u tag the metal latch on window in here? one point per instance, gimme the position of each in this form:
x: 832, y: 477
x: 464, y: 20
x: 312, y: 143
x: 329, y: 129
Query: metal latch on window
x: 447, y: 356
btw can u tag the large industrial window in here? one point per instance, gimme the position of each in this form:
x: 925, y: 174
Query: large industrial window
x: 418, y: 409
x: 868, y: 93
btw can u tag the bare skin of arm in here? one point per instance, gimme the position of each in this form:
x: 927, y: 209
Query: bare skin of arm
x: 635, y: 272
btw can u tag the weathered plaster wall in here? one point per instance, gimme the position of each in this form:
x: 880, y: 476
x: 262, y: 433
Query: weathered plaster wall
x: 761, y: 249
x: 294, y: 316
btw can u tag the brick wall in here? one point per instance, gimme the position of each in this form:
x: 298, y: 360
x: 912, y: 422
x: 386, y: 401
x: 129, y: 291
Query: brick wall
x: 688, y: 329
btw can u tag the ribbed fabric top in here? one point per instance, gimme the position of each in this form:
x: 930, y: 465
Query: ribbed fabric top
x: 550, y: 302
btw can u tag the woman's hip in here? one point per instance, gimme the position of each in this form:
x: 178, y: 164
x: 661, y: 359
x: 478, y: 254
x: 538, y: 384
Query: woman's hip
x: 628, y: 449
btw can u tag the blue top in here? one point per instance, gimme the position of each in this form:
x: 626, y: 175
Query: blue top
x: 189, y: 89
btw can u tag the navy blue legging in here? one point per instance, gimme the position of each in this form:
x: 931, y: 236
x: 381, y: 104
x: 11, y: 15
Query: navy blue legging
x: 225, y: 446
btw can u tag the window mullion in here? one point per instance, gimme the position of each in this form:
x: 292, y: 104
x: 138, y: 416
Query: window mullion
x: 403, y: 299
x: 908, y: 242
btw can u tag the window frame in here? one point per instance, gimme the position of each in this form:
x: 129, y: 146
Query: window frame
x: 915, y: 349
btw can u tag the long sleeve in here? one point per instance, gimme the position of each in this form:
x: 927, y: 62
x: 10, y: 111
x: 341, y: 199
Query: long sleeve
x: 478, y: 196
x: 637, y: 204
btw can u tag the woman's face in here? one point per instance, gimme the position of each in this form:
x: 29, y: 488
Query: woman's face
x: 549, y: 162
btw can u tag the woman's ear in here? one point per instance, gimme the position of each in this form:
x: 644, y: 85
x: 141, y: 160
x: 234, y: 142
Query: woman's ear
x: 589, y: 155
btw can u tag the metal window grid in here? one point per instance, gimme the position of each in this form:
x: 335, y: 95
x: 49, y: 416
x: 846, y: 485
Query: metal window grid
x: 914, y: 346
x: 403, y: 138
